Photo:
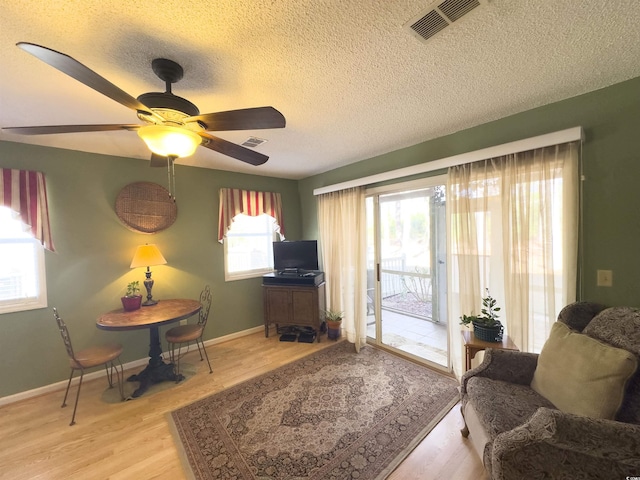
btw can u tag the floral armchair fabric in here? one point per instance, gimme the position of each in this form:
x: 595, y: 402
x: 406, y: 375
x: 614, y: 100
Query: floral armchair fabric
x: 521, y: 434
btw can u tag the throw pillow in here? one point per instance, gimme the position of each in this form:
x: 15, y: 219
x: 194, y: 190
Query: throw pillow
x: 581, y: 375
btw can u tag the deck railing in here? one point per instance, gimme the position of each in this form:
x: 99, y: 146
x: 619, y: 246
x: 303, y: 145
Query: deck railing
x: 408, y: 287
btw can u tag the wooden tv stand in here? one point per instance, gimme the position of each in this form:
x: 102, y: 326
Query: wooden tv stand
x: 296, y: 305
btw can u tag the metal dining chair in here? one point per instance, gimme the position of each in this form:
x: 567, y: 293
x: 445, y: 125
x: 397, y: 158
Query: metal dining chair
x: 90, y: 357
x: 185, y: 334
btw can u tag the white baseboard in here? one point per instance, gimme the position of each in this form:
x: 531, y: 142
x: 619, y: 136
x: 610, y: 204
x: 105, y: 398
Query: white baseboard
x: 90, y: 376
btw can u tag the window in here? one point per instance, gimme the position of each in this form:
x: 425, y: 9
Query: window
x: 247, y: 224
x: 248, y: 246
x: 513, y: 223
x: 22, y: 271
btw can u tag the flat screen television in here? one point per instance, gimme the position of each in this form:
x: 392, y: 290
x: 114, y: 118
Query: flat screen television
x: 301, y: 255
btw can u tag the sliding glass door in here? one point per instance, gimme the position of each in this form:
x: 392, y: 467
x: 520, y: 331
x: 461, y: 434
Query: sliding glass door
x: 406, y: 270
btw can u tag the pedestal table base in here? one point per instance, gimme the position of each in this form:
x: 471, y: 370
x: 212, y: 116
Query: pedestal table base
x: 154, y: 374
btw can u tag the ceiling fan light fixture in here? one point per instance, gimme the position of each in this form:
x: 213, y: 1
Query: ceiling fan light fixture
x: 170, y: 141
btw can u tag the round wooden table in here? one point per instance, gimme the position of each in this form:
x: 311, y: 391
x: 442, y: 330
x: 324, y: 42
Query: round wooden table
x: 151, y: 317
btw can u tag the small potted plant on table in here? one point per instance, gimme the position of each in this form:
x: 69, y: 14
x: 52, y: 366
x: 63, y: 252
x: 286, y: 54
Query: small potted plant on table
x: 132, y: 299
x: 334, y: 323
x: 486, y: 326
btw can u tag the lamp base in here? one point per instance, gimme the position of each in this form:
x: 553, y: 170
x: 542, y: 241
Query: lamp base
x: 148, y: 284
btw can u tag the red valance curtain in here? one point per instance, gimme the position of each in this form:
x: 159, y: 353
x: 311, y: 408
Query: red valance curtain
x: 25, y: 193
x: 234, y: 201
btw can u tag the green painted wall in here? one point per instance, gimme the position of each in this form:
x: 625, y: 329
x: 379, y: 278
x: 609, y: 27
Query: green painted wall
x: 611, y: 159
x: 89, y: 272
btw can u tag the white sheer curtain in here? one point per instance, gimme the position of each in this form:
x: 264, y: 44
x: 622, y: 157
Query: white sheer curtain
x: 341, y: 224
x: 513, y: 226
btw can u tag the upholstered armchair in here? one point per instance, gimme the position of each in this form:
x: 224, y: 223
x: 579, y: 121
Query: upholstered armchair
x: 571, y: 412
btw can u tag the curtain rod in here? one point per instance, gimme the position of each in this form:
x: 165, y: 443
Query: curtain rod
x: 548, y: 139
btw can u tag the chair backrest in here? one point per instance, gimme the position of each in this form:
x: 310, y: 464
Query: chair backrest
x: 205, y: 300
x: 64, y: 333
x: 620, y: 327
x: 577, y: 315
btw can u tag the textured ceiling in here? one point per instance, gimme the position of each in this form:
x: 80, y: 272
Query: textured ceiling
x: 350, y: 80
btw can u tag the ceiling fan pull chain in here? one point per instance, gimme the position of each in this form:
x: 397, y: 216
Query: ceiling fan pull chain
x: 173, y: 175
x: 169, y: 175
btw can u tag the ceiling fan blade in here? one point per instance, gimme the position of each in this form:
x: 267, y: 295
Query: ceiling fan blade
x: 158, y: 160
x: 50, y: 129
x: 244, y: 119
x: 232, y: 150
x: 77, y: 70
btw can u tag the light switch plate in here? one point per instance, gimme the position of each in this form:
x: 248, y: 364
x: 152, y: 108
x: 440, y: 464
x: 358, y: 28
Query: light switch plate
x: 605, y: 278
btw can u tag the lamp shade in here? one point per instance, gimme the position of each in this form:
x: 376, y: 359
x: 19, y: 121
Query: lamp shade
x: 170, y: 141
x: 147, y: 256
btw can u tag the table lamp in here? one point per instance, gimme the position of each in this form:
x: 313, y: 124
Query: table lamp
x: 148, y: 256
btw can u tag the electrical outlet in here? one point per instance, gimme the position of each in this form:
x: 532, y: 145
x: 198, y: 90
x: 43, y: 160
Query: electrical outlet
x: 183, y: 322
x: 605, y: 278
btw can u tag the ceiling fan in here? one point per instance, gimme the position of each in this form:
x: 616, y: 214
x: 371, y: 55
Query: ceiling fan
x: 167, y: 117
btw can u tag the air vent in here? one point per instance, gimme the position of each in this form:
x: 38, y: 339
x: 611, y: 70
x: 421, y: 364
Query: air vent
x: 426, y: 25
x: 253, y: 142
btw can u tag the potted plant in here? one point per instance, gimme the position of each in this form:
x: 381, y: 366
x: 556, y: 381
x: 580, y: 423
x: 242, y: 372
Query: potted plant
x: 486, y: 326
x: 132, y: 299
x: 334, y: 322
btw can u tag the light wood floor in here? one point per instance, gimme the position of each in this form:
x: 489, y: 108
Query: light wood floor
x: 131, y: 440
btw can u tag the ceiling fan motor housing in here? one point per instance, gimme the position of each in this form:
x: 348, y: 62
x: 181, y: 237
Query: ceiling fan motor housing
x: 171, y: 108
x: 158, y: 100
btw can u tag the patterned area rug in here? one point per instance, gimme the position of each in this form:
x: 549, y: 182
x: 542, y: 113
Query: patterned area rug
x: 335, y: 414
